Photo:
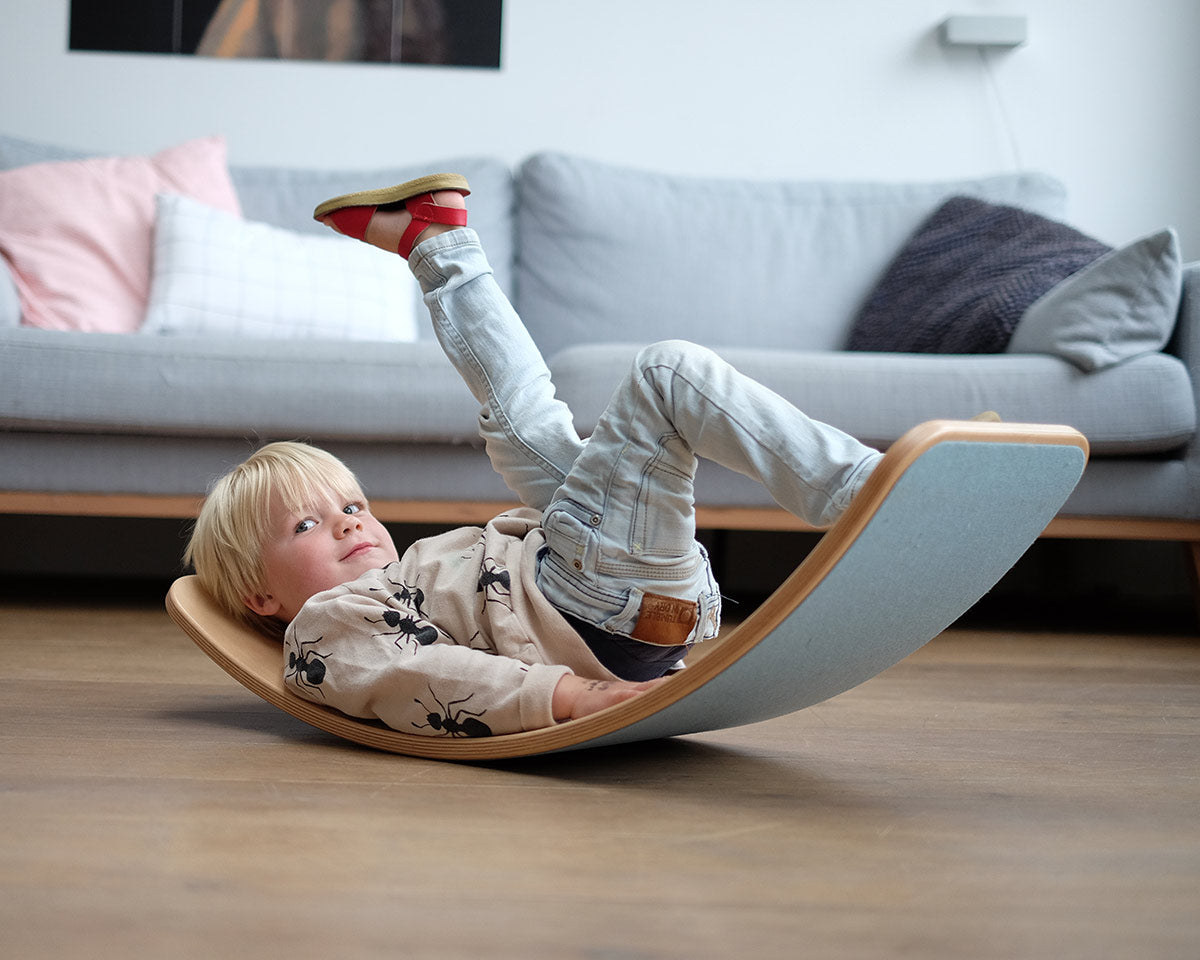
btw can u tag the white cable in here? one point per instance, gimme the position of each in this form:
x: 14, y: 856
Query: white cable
x: 1005, y: 120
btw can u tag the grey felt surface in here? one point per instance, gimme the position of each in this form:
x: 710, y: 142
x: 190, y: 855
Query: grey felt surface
x: 957, y: 520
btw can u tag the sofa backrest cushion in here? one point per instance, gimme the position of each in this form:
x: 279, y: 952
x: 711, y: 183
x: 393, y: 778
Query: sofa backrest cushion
x: 611, y: 253
x: 964, y: 279
x: 10, y: 302
x: 17, y: 152
x: 285, y: 197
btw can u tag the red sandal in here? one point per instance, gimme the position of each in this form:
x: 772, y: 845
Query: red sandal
x: 352, y: 212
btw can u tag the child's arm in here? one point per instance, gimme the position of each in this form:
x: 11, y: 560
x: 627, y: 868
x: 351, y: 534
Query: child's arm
x: 373, y: 659
x: 576, y: 697
x: 370, y: 652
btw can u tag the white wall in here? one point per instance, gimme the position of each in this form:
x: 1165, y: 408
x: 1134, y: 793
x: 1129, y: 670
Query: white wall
x: 1104, y: 96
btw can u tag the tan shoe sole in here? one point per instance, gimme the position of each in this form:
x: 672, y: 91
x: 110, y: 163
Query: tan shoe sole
x: 397, y: 194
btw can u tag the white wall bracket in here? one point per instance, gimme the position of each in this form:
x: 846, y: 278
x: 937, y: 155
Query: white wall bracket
x: 984, y: 31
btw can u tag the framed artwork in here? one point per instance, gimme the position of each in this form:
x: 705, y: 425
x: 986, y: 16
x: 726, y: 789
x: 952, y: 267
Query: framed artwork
x: 459, y: 33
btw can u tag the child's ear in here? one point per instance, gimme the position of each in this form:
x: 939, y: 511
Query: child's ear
x: 264, y: 605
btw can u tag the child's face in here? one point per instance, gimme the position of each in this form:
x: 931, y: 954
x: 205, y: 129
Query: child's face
x: 327, y: 543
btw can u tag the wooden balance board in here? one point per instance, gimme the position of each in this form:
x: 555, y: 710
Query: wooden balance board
x: 950, y: 508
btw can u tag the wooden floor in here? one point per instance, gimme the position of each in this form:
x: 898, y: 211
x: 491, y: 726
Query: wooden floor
x: 1000, y: 794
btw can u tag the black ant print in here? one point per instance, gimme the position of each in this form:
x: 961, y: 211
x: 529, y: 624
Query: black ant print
x: 307, y: 666
x: 406, y: 627
x: 453, y: 723
x: 494, y: 583
x: 478, y: 642
x: 409, y: 594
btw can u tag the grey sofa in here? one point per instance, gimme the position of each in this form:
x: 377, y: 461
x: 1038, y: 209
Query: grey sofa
x: 599, y: 260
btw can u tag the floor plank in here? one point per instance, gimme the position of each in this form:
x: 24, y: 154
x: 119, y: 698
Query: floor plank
x: 1000, y: 794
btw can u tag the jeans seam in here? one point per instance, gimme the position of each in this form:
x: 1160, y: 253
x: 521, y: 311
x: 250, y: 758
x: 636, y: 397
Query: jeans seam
x: 673, y: 373
x: 493, y: 401
x: 656, y: 464
x: 583, y: 586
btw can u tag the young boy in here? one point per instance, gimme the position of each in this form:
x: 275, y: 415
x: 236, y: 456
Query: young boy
x: 579, y: 600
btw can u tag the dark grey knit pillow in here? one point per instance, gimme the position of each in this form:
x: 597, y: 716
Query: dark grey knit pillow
x: 963, y: 280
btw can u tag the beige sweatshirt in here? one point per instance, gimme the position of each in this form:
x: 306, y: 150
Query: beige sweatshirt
x: 453, y: 639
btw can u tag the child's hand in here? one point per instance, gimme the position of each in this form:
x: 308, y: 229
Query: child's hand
x: 576, y: 697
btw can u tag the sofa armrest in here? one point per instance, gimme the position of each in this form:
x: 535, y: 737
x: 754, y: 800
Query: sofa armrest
x: 10, y: 303
x: 1185, y: 344
x: 1185, y: 341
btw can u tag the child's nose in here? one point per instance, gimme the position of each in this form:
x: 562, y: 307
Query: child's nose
x: 349, y: 524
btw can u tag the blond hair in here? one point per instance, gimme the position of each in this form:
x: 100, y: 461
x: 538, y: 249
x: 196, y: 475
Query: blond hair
x: 233, y: 525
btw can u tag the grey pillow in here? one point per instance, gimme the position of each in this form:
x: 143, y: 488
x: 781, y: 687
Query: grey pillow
x: 1120, y: 306
x: 15, y: 152
x: 10, y: 301
x: 965, y: 277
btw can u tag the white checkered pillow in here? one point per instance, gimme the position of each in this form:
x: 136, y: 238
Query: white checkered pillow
x: 218, y: 275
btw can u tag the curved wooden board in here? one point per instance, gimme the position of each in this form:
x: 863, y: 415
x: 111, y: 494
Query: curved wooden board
x: 951, y: 507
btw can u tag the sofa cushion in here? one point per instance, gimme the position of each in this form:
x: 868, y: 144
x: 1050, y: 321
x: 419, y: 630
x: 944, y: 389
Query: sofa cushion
x: 10, y: 301
x: 286, y: 196
x: 606, y: 252
x: 218, y: 275
x: 18, y: 152
x: 186, y: 465
x: 876, y: 397
x: 231, y: 387
x: 1120, y: 306
x: 962, y: 281
x: 77, y: 233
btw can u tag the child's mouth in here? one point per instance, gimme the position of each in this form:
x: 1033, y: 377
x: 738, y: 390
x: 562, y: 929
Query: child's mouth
x: 360, y: 549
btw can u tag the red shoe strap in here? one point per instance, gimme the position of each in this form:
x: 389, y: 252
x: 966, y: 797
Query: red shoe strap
x: 424, y: 212
x: 430, y: 212
x: 409, y: 237
x: 352, y: 221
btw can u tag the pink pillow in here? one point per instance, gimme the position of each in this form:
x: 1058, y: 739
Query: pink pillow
x: 78, y: 235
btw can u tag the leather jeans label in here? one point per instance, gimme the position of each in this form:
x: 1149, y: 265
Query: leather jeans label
x: 665, y: 621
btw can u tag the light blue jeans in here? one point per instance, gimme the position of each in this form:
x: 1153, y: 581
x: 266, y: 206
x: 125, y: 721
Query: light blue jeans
x: 618, y: 507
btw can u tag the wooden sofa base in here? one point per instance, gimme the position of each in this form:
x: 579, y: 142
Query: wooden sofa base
x: 468, y: 511
x: 456, y: 512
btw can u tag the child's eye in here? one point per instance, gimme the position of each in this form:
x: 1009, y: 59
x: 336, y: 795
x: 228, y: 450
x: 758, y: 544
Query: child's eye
x: 305, y: 525
x: 352, y: 508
